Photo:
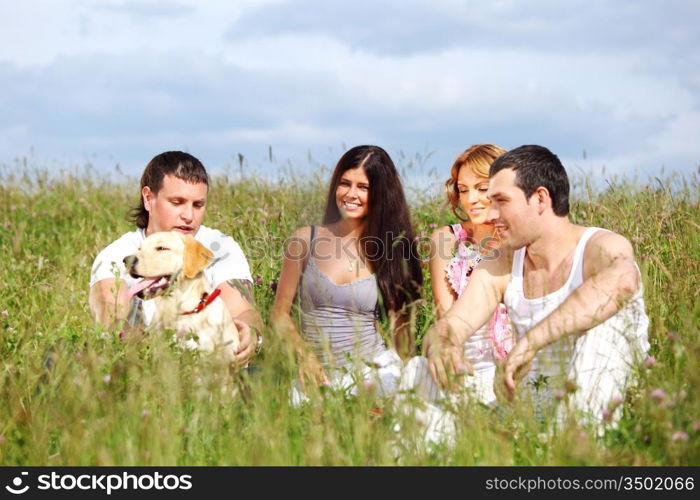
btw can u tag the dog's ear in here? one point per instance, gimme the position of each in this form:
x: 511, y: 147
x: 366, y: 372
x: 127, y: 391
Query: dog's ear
x: 196, y: 257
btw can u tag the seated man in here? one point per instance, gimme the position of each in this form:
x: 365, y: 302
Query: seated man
x: 573, y: 294
x: 174, y: 189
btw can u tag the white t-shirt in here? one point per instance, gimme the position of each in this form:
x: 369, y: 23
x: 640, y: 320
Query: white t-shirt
x: 228, y: 263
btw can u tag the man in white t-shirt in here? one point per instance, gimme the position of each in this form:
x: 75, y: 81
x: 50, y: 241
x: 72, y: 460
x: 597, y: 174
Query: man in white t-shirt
x: 573, y: 294
x: 174, y: 188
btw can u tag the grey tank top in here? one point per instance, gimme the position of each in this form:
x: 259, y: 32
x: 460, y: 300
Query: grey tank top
x: 338, y: 321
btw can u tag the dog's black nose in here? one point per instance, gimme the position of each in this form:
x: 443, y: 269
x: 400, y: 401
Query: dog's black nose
x: 130, y: 261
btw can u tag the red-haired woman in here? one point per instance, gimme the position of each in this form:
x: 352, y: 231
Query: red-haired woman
x: 456, y: 251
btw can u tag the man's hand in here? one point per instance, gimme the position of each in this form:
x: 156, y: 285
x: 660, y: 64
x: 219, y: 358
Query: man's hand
x: 446, y: 359
x: 248, y: 342
x: 237, y: 294
x: 514, y: 368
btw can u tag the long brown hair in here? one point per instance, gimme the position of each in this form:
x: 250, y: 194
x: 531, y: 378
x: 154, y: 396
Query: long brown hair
x: 388, y: 241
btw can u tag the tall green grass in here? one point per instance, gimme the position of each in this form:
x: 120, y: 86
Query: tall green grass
x: 74, y: 394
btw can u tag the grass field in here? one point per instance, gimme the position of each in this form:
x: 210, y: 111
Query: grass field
x: 73, y: 394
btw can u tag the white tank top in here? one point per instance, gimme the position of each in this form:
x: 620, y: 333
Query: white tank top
x: 631, y: 321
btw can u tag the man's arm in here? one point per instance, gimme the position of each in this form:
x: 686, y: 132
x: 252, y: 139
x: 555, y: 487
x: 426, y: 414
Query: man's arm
x: 443, y: 344
x: 109, y: 301
x: 611, y: 278
x: 238, y: 296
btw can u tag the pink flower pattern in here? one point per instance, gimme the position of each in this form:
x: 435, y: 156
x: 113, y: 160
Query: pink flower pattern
x: 458, y: 271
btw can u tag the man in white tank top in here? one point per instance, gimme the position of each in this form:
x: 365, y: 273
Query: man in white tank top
x: 574, y: 296
x: 174, y: 188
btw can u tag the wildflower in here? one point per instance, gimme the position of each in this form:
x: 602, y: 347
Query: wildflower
x: 273, y: 285
x: 650, y: 361
x: 582, y: 436
x: 107, y: 379
x: 615, y: 402
x: 658, y: 396
x: 376, y: 411
x: 571, y: 386
x: 696, y: 425
x: 559, y: 394
x: 370, y: 385
x: 263, y: 220
x: 433, y: 226
x: 145, y: 414
x: 607, y: 415
x: 673, y: 336
x: 258, y: 280
x: 679, y: 436
x: 5, y: 314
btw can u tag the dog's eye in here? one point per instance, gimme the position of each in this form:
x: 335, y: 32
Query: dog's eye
x: 161, y: 249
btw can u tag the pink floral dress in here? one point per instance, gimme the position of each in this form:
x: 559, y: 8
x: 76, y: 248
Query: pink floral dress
x: 494, y: 340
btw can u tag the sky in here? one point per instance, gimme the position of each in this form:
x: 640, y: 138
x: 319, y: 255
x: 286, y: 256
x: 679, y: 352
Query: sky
x: 613, y: 84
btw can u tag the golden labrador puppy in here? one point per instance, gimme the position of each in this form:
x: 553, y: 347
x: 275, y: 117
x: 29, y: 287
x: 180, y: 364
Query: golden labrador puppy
x: 171, y: 266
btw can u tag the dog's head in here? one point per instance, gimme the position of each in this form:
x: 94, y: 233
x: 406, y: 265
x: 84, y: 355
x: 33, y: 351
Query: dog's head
x: 162, y: 259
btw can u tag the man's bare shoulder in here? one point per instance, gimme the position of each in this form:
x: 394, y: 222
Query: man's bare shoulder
x: 608, y: 242
x: 604, y: 248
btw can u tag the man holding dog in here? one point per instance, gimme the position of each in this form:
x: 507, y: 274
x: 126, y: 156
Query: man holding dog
x: 174, y: 188
x: 573, y: 294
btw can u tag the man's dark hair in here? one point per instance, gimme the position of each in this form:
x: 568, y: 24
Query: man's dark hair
x: 537, y: 166
x: 182, y: 165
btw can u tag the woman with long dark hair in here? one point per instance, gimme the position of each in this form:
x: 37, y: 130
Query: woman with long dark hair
x: 360, y: 266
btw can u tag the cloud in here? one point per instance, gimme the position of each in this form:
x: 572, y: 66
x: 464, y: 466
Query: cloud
x: 405, y: 75
x: 35, y: 33
x: 148, y: 10
x: 401, y: 27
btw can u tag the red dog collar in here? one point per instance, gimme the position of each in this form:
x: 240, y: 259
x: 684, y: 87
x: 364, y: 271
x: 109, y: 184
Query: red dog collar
x: 204, y: 301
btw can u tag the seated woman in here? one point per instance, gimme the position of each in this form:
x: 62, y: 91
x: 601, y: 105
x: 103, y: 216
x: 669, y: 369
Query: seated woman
x: 360, y: 264
x: 455, y: 251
